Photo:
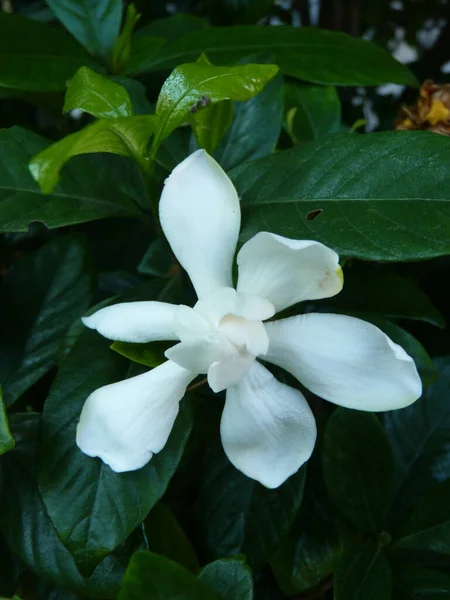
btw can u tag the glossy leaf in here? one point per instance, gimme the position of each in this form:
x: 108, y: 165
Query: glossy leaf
x: 153, y: 576
x: 97, y: 95
x: 122, y: 48
x: 28, y: 529
x: 419, y: 437
x: 229, y: 578
x: 358, y: 467
x: 126, y: 136
x: 192, y: 85
x: 94, y: 23
x: 245, y: 139
x: 226, y: 493
x: 37, y: 57
x: 82, y: 495
x: 90, y: 187
x: 378, y: 197
x: 149, y: 355
x: 210, y: 124
x: 6, y: 439
x: 325, y: 57
x: 61, y: 279
x: 363, y: 574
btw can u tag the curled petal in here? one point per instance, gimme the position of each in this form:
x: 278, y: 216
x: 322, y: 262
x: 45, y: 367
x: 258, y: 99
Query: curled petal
x: 268, y: 430
x: 286, y: 271
x: 200, y: 216
x: 125, y: 423
x: 138, y: 322
x: 344, y: 360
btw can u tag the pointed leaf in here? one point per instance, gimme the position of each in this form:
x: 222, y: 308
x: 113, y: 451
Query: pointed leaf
x: 229, y: 578
x: 6, y: 439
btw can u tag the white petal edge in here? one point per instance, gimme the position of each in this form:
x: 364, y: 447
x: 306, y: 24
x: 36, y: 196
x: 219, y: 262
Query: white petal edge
x: 200, y: 216
x: 286, y: 271
x: 138, y: 322
x: 268, y: 430
x: 344, y: 360
x: 125, y: 423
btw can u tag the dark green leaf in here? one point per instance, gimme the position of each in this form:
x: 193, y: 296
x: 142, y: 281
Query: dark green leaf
x: 150, y: 576
x: 233, y: 507
x: 82, y: 495
x: 166, y: 537
x: 10, y: 568
x: 416, y: 583
x: 158, y: 260
x: 94, y: 23
x: 138, y: 94
x: 37, y: 57
x: 171, y: 28
x: 225, y: 12
x: 90, y: 187
x: 229, y: 578
x: 211, y: 123
x: 191, y: 86
x: 28, y: 529
x: 6, y: 439
x: 61, y: 281
x: 358, y: 467
x: 122, y: 48
x: 246, y: 139
x: 419, y: 436
x: 363, y: 574
x: 97, y: 95
x: 379, y: 199
x: 149, y: 355
x: 325, y: 57
x: 312, y: 111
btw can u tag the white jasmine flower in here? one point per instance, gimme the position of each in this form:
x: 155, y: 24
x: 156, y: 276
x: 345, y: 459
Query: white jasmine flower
x: 267, y: 429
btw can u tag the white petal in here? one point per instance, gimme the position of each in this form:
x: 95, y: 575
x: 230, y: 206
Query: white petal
x: 137, y: 322
x: 124, y: 423
x: 200, y: 216
x: 198, y: 355
x: 344, y: 360
x: 288, y: 271
x: 230, y: 371
x: 190, y: 325
x: 226, y: 301
x: 242, y: 332
x: 268, y: 430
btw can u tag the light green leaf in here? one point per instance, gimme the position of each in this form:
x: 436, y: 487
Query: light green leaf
x: 310, y: 54
x: 94, y: 23
x: 126, y: 136
x: 149, y: 355
x: 190, y: 86
x: 377, y: 197
x: 153, y: 576
x: 122, y: 48
x: 61, y: 279
x: 229, y: 578
x: 6, y: 439
x: 90, y: 187
x: 37, y: 57
x: 210, y: 124
x: 97, y: 95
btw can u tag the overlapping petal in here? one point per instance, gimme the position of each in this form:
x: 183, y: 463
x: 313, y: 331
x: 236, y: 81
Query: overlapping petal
x: 286, y: 271
x: 344, y: 360
x: 268, y: 430
x: 138, y: 322
x: 200, y: 216
x: 125, y: 423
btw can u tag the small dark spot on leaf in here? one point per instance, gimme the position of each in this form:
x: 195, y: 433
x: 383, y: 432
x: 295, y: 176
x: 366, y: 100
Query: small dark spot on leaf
x: 204, y: 101
x: 313, y: 214
x: 194, y: 108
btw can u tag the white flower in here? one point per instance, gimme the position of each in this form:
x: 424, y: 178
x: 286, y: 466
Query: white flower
x: 268, y: 430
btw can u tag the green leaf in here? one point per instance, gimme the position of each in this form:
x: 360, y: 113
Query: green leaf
x: 10, y: 570
x: 166, y: 537
x: 192, y: 85
x: 28, y: 529
x: 171, y: 28
x: 158, y: 260
x: 126, y: 136
x: 149, y: 355
x: 379, y: 289
x: 82, y: 495
x: 122, y: 48
x: 377, y: 196
x: 6, y: 439
x: 37, y: 57
x: 151, y: 576
x: 211, y: 123
x: 90, y: 187
x: 43, y: 294
x: 245, y: 139
x: 229, y: 578
x: 415, y: 583
x: 312, y: 111
x: 232, y: 508
x: 419, y: 436
x: 310, y: 54
x: 97, y: 95
x: 358, y: 467
x: 94, y: 23
x: 363, y: 574
x: 429, y: 526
